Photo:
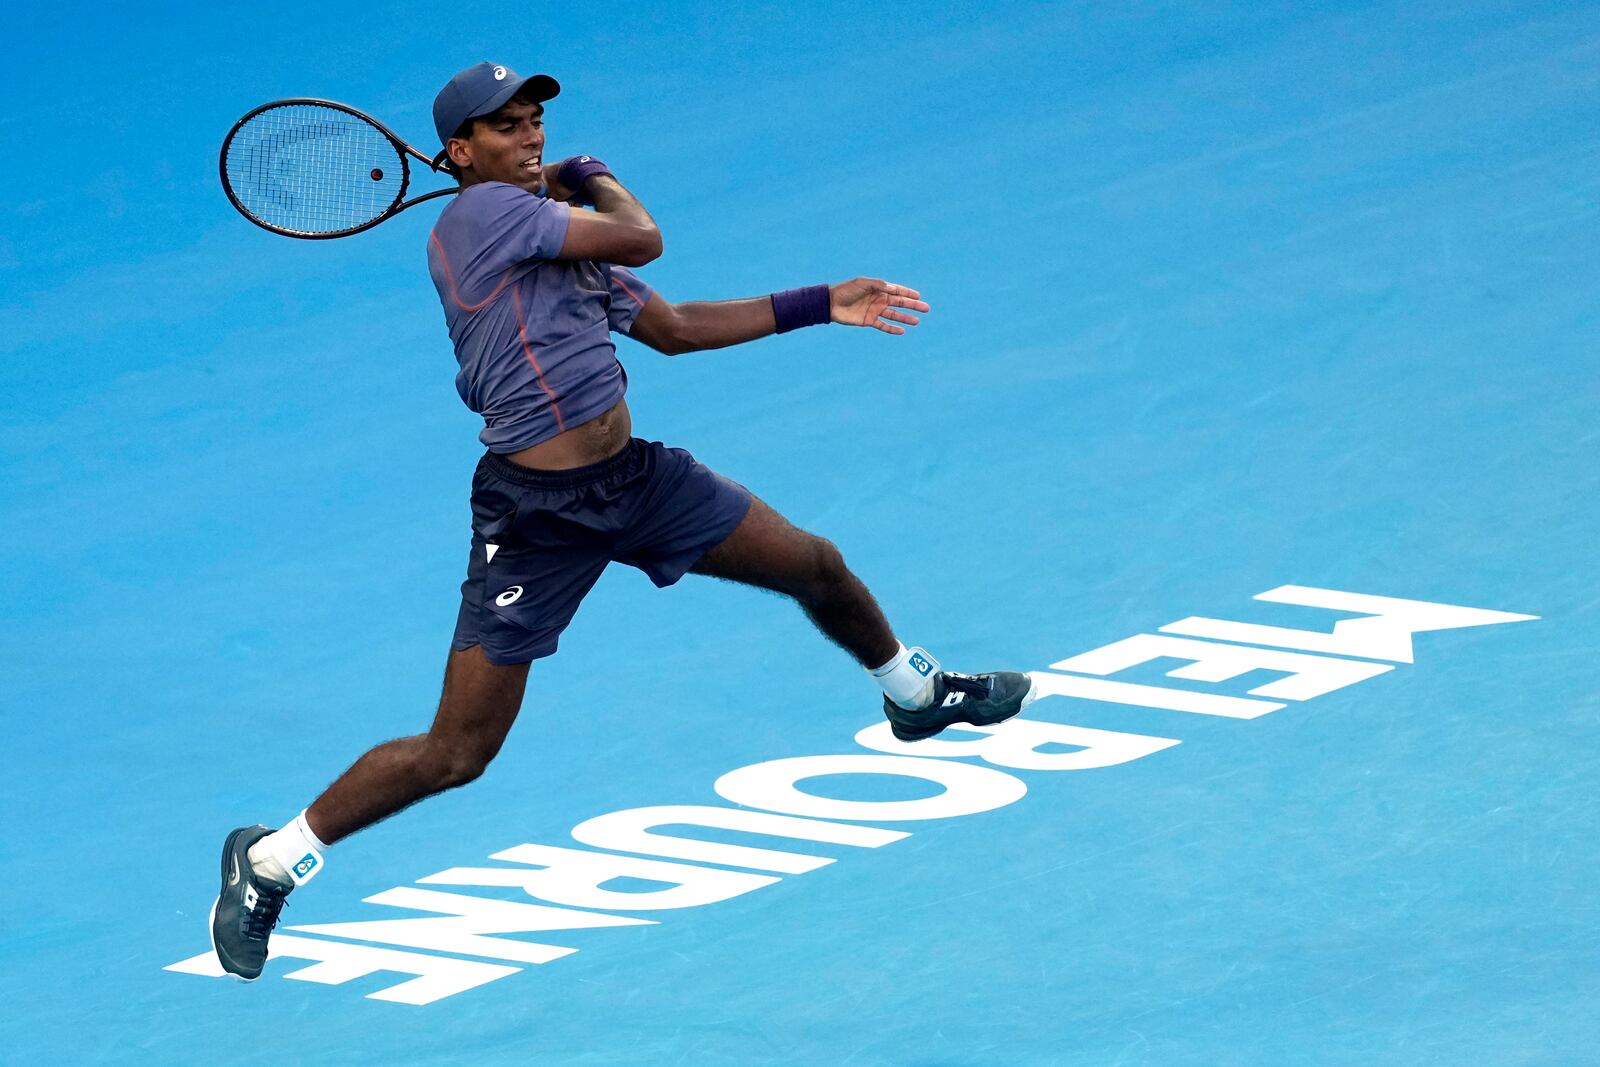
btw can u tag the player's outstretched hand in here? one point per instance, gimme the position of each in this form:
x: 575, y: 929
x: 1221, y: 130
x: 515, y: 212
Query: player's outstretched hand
x: 874, y: 302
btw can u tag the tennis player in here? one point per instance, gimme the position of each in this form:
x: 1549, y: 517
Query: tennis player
x: 533, y: 285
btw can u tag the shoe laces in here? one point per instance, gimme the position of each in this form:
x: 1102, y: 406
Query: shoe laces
x: 260, y: 920
x: 980, y: 686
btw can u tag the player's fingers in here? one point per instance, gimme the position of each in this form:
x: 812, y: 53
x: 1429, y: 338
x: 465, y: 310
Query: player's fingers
x: 902, y: 290
x: 889, y: 327
x: 899, y: 316
x: 904, y: 296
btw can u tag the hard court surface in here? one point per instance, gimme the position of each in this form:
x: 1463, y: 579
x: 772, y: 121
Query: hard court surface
x: 1225, y: 300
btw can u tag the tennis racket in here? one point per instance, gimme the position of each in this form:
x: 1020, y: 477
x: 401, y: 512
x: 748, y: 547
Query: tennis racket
x: 317, y: 169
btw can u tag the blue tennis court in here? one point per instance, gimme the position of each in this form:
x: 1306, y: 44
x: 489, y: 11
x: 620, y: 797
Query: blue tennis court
x: 1256, y: 413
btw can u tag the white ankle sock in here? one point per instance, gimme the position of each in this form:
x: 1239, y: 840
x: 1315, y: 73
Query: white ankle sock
x: 907, y: 679
x: 292, y: 854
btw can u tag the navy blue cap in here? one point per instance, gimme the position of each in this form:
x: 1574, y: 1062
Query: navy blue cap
x: 482, y: 88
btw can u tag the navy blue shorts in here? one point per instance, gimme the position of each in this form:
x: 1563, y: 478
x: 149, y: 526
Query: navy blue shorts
x: 540, y: 539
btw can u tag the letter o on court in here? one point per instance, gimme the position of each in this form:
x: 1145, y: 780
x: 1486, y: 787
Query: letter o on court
x: 774, y: 786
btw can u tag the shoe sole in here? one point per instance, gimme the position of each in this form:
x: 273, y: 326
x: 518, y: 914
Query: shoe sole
x: 923, y: 735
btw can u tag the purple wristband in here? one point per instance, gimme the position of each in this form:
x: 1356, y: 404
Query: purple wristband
x: 794, y: 308
x: 575, y: 173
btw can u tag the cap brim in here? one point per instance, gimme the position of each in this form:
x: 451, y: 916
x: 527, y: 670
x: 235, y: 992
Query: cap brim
x: 539, y: 88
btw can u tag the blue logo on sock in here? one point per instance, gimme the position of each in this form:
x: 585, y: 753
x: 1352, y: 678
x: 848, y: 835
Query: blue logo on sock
x: 920, y: 664
x: 307, y: 864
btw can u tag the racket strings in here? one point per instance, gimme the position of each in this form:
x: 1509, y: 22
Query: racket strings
x: 313, y: 169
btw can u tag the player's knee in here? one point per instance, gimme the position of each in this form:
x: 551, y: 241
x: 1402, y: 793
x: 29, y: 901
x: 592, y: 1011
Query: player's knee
x: 827, y: 570
x: 448, y: 765
x: 830, y: 561
x: 464, y: 769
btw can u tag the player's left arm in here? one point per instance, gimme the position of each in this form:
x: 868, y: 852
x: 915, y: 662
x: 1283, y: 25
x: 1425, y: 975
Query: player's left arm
x: 698, y: 325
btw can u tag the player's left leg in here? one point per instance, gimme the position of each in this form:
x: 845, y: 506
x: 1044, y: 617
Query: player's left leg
x: 685, y: 517
x: 767, y: 551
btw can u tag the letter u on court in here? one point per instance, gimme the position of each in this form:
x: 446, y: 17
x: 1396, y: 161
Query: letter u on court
x: 773, y: 786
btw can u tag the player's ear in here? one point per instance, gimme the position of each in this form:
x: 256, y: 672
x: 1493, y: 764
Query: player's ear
x: 459, y: 152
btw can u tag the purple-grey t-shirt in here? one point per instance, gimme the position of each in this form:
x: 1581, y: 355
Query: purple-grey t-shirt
x: 532, y: 333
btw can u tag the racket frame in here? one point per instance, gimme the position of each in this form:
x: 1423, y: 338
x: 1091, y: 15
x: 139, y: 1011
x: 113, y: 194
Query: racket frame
x: 402, y: 149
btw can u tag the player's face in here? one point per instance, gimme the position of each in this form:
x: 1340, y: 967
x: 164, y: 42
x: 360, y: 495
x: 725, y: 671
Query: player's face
x: 508, y: 145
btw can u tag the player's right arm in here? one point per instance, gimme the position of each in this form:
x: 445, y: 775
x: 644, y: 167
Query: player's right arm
x: 619, y: 230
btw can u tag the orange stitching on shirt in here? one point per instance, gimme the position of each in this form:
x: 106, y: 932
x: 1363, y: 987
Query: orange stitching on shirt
x: 433, y: 238
x: 538, y: 372
x: 616, y: 277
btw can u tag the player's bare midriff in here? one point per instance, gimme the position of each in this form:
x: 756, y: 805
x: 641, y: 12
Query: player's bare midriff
x: 599, y: 438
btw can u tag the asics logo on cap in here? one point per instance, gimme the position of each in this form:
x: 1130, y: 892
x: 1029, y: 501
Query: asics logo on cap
x: 509, y: 597
x: 499, y: 74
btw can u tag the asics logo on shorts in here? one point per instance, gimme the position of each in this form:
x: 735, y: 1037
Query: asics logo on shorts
x: 509, y: 597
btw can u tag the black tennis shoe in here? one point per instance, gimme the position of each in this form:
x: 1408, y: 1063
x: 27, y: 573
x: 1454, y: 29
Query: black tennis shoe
x: 247, y: 908
x: 979, y: 699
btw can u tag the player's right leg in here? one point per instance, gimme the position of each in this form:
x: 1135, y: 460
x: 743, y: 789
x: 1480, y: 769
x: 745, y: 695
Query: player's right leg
x: 260, y: 867
x: 476, y: 710
x: 540, y: 540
